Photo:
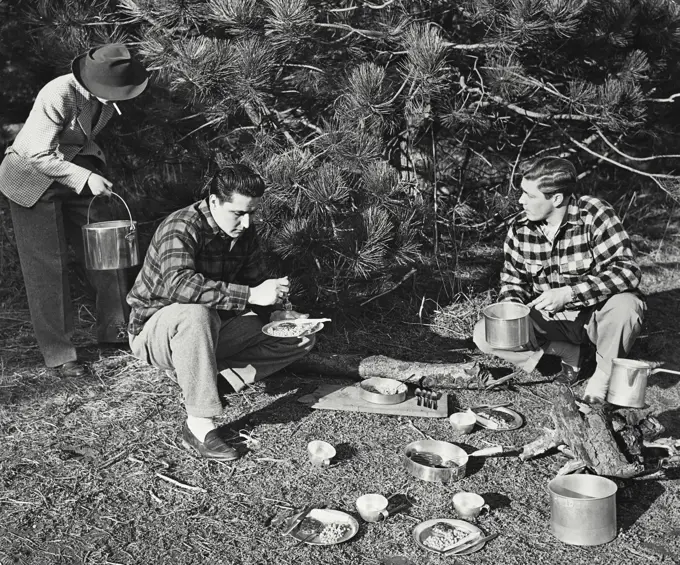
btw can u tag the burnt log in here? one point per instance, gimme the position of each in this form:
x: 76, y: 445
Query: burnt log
x: 596, y: 437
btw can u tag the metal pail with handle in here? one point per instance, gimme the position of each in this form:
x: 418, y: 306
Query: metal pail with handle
x: 583, y: 509
x: 110, y: 245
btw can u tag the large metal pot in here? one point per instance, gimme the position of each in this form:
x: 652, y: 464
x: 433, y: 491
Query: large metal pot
x: 110, y: 245
x: 427, y: 459
x: 583, y: 509
x: 628, y: 382
x: 507, y: 325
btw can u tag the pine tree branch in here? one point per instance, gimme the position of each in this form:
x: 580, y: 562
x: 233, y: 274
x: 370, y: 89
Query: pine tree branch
x: 472, y: 46
x: 669, y: 99
x: 655, y: 177
x: 517, y: 109
x: 630, y: 157
x: 399, y: 283
x: 519, y: 154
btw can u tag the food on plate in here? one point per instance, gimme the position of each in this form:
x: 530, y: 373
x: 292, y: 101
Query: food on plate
x: 333, y: 533
x: 385, y: 387
x: 309, y: 527
x: 290, y: 329
x: 497, y: 417
x: 449, y: 464
x: 443, y: 536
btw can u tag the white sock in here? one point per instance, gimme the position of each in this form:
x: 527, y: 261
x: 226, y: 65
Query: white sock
x: 200, y: 426
x: 568, y: 352
x: 597, y: 385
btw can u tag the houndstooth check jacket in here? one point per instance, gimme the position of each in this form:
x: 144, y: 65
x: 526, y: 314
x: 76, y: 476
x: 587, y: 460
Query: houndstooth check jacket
x: 58, y: 128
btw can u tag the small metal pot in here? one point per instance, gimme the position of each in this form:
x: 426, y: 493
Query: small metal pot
x: 426, y: 460
x: 628, y: 382
x: 506, y: 325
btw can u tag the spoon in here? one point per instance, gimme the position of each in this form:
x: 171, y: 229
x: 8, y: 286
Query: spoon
x: 308, y: 320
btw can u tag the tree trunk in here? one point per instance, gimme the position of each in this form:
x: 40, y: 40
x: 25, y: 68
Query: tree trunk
x: 589, y: 436
x: 358, y: 367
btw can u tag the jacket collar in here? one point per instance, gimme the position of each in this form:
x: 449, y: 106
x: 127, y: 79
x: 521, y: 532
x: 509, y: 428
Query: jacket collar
x: 572, y: 216
x: 85, y: 102
x: 213, y: 229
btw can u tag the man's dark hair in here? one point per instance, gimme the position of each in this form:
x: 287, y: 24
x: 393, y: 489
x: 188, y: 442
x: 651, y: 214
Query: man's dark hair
x: 236, y: 178
x: 553, y: 175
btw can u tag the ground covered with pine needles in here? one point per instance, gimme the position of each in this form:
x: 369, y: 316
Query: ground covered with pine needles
x: 92, y: 470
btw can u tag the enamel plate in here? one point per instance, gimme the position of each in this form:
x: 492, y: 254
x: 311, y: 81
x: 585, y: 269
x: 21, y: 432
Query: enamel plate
x: 516, y: 423
x: 295, y: 328
x: 327, y: 517
x: 421, y: 531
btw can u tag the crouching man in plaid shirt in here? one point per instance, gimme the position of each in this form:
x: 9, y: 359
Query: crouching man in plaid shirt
x: 569, y: 259
x: 190, y: 305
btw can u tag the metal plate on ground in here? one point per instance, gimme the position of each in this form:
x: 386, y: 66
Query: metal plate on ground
x: 515, y: 423
x: 328, y: 517
x: 422, y: 530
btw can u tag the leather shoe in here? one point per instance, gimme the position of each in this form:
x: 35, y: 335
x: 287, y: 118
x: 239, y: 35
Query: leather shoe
x: 570, y: 376
x: 567, y: 376
x: 213, y: 447
x: 71, y: 369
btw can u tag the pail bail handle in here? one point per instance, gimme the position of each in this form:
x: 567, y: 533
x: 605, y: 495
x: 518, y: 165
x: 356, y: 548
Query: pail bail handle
x: 131, y: 233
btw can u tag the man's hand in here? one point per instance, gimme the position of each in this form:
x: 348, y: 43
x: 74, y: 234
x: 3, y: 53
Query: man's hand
x: 277, y: 315
x: 267, y: 293
x: 553, y: 300
x: 99, y: 186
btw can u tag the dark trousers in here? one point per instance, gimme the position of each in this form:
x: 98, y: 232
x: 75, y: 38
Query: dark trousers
x: 43, y: 233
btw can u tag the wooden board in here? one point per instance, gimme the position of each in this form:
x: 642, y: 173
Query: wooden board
x: 346, y: 398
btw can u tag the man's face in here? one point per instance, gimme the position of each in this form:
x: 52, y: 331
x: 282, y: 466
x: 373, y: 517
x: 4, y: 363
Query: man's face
x: 233, y: 217
x: 537, y: 206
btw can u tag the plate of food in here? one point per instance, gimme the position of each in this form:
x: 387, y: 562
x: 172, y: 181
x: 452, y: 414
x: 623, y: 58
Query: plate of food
x: 499, y: 418
x: 442, y: 535
x: 298, y: 327
x: 323, y: 526
x: 383, y: 391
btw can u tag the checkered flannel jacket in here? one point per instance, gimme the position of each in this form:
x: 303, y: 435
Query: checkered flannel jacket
x: 58, y: 128
x: 192, y: 261
x: 591, y: 254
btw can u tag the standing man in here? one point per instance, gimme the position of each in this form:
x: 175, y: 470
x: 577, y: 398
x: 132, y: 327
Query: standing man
x: 570, y: 260
x: 50, y: 175
x: 191, y: 305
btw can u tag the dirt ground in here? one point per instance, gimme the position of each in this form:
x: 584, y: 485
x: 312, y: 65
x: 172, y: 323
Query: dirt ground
x: 87, y: 465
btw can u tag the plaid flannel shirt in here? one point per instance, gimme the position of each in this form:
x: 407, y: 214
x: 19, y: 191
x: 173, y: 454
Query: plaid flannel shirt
x: 591, y: 254
x: 192, y: 261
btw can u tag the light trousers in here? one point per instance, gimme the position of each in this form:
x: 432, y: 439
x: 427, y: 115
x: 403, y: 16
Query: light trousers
x: 199, y: 343
x: 613, y: 326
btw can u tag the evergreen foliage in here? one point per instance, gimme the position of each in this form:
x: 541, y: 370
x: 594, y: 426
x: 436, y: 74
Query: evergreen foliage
x: 374, y: 122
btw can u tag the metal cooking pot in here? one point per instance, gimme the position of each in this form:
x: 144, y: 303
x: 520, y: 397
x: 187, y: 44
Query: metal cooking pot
x: 506, y: 325
x: 427, y: 459
x: 583, y: 509
x: 628, y: 382
x: 110, y: 245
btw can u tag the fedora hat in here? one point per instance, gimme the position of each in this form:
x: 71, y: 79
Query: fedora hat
x: 110, y: 72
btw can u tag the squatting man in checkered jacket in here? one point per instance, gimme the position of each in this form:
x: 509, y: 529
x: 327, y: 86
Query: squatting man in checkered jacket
x: 569, y: 259
x: 50, y: 174
x: 192, y: 305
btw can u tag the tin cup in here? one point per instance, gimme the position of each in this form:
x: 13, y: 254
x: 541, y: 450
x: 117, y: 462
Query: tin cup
x: 372, y: 507
x: 468, y: 505
x: 320, y: 453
